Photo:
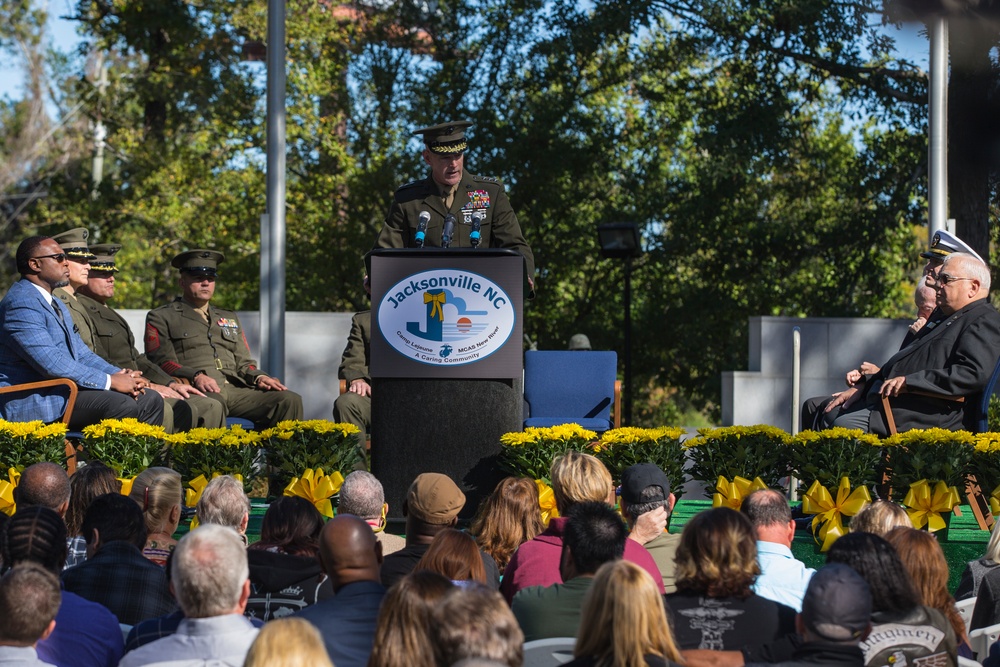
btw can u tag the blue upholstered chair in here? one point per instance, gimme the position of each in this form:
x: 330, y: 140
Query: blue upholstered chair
x: 563, y: 387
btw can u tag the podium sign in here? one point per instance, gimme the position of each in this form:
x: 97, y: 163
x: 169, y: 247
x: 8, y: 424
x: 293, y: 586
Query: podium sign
x: 446, y: 313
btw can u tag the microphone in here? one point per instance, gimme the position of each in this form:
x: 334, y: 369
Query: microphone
x: 425, y: 218
x: 449, y: 229
x: 477, y: 223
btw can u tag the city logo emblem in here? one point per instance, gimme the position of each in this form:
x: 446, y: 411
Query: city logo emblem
x: 446, y: 317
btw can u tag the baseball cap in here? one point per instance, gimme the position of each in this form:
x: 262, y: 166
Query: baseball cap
x: 434, y: 498
x: 838, y: 604
x: 638, y: 477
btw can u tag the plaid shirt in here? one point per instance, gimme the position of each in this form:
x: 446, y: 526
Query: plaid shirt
x: 119, y: 577
x: 76, y: 551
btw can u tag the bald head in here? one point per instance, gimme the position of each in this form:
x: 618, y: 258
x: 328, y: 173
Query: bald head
x: 44, y: 485
x: 349, y: 551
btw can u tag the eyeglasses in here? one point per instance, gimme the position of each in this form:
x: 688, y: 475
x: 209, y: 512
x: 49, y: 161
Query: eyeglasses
x: 944, y: 278
x: 60, y: 257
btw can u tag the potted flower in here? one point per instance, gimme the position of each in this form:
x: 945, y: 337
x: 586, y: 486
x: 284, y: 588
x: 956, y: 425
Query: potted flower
x: 529, y: 453
x: 623, y: 447
x: 127, y: 445
x: 293, y: 447
x: 724, y: 458
x: 24, y: 443
x: 223, y: 451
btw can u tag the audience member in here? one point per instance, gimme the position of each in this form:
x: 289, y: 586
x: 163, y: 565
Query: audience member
x: 159, y: 493
x: 432, y: 505
x: 351, y: 557
x: 645, y: 489
x: 362, y: 495
x: 88, y: 482
x: 782, y: 578
x: 43, y: 485
x: 288, y: 642
x: 455, y: 555
x: 211, y: 579
x: 879, y: 518
x: 224, y: 502
x: 39, y: 343
x: 623, y: 621
x: 576, y: 478
x: 285, y: 573
x: 835, y: 619
x: 903, y: 630
x: 593, y: 535
x: 475, y: 622
x: 507, y: 518
x: 715, y: 607
x: 86, y: 633
x: 924, y: 560
x: 403, y: 629
x: 987, y: 609
x: 975, y: 570
x: 116, y: 574
x: 29, y: 600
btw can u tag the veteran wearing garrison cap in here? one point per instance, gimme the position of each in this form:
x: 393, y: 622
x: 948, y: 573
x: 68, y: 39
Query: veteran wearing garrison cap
x: 184, y: 406
x: 74, y: 244
x: 451, y: 190
x: 194, y: 340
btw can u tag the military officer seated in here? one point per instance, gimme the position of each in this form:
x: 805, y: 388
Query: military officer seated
x: 194, y: 340
x: 184, y: 407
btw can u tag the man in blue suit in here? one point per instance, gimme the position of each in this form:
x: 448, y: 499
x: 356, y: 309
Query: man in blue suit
x: 38, y: 342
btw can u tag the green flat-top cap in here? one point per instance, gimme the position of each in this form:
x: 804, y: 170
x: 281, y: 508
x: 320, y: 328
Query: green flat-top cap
x: 446, y: 138
x: 74, y: 244
x: 104, y: 257
x: 199, y: 262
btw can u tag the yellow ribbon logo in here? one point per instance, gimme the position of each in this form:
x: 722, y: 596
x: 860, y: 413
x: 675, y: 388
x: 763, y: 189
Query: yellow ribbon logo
x: 827, y: 525
x: 731, y: 494
x: 317, y: 488
x: 437, y: 300
x: 925, y: 506
x: 7, y: 505
x: 546, y: 502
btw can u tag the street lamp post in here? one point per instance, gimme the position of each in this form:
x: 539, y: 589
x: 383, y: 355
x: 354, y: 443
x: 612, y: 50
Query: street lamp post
x: 620, y: 240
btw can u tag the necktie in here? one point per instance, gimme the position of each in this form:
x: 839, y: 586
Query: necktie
x: 55, y: 307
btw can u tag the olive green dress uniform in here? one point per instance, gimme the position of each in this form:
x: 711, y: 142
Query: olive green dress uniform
x: 482, y: 194
x: 182, y: 343
x: 349, y: 407
x: 114, y: 342
x: 81, y: 321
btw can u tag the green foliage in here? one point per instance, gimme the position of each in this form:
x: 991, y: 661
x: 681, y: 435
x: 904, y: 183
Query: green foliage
x: 933, y: 455
x: 623, y: 447
x: 24, y: 443
x: 203, y: 451
x: 294, y: 446
x: 530, y: 453
x: 829, y: 455
x: 126, y: 445
x: 744, y: 451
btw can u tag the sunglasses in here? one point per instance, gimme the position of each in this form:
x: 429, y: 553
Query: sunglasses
x: 60, y: 257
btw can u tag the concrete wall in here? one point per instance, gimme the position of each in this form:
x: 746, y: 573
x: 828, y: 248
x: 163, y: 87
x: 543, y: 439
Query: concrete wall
x: 314, y: 344
x: 830, y: 347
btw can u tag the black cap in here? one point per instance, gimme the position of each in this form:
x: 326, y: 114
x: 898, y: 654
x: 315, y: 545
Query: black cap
x: 636, y: 478
x: 199, y: 262
x: 74, y: 244
x: 104, y: 257
x: 838, y: 604
x: 446, y: 138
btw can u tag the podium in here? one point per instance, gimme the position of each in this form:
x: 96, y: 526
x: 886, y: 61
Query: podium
x: 446, y: 367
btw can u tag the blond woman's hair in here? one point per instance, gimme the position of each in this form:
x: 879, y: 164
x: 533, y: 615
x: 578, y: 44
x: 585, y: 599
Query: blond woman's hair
x: 623, y: 619
x: 879, y: 518
x: 578, y: 477
x: 157, y: 491
x: 288, y: 642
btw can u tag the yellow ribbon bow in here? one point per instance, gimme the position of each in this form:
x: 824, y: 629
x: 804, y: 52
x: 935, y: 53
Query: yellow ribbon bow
x: 730, y: 494
x: 127, y: 483
x: 995, y: 501
x: 7, y: 505
x: 546, y: 502
x: 437, y: 300
x: 317, y: 488
x: 827, y: 525
x: 925, y: 506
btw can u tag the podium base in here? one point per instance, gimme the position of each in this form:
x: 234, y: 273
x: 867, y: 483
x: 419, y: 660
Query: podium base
x: 447, y: 426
